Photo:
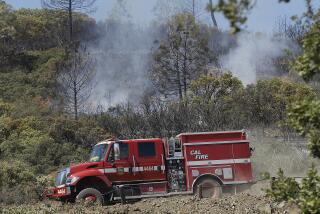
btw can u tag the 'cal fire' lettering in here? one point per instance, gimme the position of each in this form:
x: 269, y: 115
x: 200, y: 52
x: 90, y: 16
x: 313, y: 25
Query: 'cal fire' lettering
x: 198, y: 155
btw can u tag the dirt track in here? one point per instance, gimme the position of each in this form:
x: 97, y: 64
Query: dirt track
x: 241, y: 203
x: 252, y: 202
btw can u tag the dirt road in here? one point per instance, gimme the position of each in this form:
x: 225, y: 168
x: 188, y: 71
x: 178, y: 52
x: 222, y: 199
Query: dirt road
x: 236, y: 204
x: 239, y: 204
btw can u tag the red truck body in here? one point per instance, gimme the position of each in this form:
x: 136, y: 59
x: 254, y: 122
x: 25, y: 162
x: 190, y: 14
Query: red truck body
x: 154, y: 167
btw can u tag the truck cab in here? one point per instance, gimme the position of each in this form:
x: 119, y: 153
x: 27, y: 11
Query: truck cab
x: 111, y: 164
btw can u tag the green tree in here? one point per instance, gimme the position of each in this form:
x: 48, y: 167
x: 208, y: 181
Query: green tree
x: 305, y: 118
x: 212, y: 88
x: 7, y: 31
x: 308, y: 63
x: 268, y: 100
x: 304, y: 115
x: 181, y: 58
x: 214, y: 99
x: 235, y: 11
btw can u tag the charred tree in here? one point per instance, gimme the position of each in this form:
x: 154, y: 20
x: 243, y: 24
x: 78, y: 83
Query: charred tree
x: 76, y: 80
x: 70, y: 6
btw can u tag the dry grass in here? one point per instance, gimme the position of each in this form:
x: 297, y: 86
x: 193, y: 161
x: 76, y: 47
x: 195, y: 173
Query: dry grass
x: 272, y: 153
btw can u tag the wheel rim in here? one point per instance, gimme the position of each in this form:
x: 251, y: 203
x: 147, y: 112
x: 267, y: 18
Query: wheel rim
x: 208, y: 190
x: 90, y: 198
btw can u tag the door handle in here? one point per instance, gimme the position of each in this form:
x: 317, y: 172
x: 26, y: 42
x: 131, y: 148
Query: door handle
x: 163, y: 165
x: 134, y: 165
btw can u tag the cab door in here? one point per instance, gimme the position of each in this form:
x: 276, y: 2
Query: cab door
x: 119, y: 163
x: 149, y: 160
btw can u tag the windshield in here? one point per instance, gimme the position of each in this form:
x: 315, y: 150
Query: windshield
x: 98, y: 152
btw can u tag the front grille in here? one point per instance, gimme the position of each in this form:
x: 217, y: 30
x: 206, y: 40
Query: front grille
x: 61, y: 177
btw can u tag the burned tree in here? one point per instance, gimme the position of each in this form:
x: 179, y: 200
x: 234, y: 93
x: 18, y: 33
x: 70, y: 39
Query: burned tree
x: 69, y: 6
x: 76, y: 80
x: 77, y: 72
x: 181, y: 57
x: 164, y: 9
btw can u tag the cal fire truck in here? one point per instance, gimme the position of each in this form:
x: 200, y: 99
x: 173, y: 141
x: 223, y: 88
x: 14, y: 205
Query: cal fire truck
x: 191, y: 163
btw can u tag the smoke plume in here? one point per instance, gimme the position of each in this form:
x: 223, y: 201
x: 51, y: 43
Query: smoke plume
x: 123, y: 53
x: 253, y: 56
x: 125, y: 49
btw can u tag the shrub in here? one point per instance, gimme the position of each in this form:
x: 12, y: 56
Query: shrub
x: 19, y: 185
x: 16, y: 182
x: 19, y: 194
x: 306, y: 196
x: 15, y: 173
x: 283, y: 188
x: 309, y: 197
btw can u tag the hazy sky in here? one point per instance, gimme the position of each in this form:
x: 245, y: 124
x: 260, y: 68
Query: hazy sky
x: 262, y: 18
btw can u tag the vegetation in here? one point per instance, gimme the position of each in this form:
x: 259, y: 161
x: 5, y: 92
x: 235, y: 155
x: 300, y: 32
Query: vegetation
x: 303, y: 115
x: 36, y: 135
x: 306, y: 195
x: 283, y: 188
x: 45, y: 83
x: 181, y: 57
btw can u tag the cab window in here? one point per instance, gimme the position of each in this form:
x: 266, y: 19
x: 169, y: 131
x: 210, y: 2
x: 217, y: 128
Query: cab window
x: 147, y: 149
x: 124, y: 151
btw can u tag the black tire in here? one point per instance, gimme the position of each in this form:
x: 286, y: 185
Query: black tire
x: 90, y: 195
x: 209, y: 188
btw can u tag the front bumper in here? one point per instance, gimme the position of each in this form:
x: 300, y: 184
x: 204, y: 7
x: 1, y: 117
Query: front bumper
x: 59, y: 192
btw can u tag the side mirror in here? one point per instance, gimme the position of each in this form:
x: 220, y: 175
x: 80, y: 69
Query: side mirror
x: 116, y: 149
x: 111, y: 158
x: 252, y: 150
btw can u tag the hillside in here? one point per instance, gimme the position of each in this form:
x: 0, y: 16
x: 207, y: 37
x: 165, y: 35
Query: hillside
x: 63, y: 89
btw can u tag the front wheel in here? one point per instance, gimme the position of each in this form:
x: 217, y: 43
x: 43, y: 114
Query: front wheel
x: 209, y: 188
x: 90, y: 195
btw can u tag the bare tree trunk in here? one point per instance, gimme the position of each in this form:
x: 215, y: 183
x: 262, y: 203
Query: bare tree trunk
x: 178, y: 77
x: 214, y: 21
x: 76, y: 79
x: 70, y: 22
x: 75, y: 97
x: 69, y: 6
x: 193, y: 10
x: 185, y: 65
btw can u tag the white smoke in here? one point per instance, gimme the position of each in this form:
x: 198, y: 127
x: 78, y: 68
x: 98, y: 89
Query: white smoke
x: 123, y: 61
x: 123, y: 58
x: 253, y: 55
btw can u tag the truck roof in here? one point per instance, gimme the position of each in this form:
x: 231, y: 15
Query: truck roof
x: 206, y: 133
x: 141, y: 140
x: 209, y: 137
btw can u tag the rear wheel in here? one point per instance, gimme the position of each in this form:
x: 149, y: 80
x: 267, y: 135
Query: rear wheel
x: 209, y: 188
x: 90, y: 195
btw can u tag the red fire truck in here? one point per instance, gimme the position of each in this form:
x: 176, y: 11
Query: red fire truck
x: 204, y: 162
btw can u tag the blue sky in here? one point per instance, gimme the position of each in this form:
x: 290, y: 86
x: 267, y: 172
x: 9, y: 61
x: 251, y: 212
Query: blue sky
x: 261, y: 19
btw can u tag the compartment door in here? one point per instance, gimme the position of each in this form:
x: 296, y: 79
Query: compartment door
x: 149, y: 159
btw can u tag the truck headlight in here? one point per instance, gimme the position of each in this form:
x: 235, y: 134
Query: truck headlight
x: 72, y: 180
